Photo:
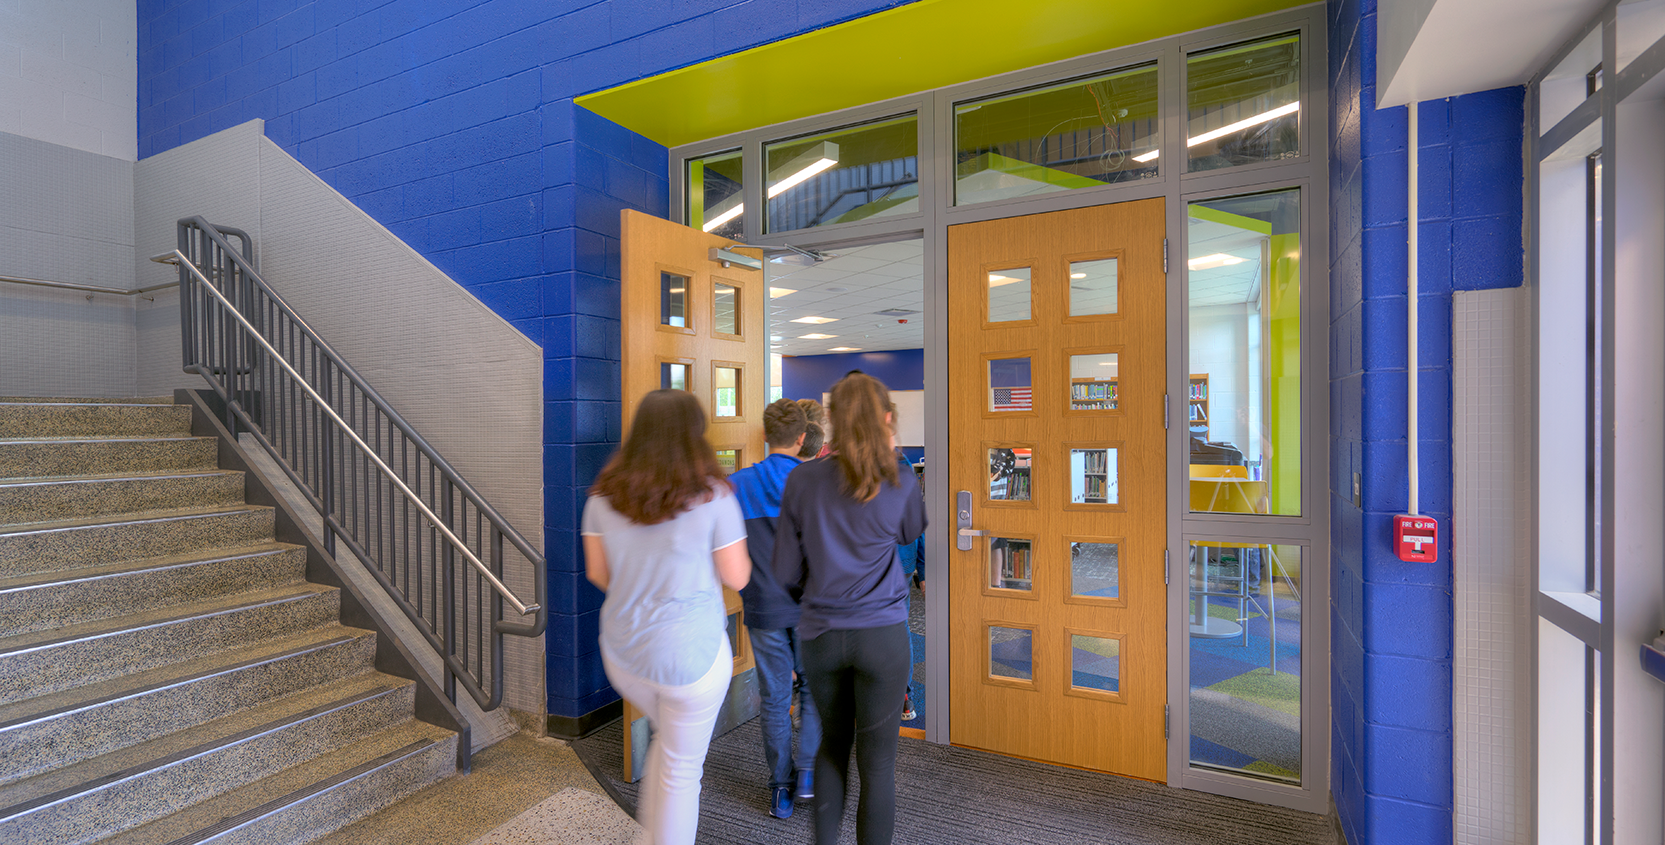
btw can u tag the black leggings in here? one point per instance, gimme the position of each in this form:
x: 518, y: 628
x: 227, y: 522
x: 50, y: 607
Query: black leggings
x: 858, y: 678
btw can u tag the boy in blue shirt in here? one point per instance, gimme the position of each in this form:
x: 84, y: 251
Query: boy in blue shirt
x: 772, y: 616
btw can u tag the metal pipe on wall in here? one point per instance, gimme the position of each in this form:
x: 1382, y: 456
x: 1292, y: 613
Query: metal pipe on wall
x: 1411, y: 433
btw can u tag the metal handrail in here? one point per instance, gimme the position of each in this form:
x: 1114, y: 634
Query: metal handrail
x: 296, y: 396
x: 19, y: 280
x: 409, y: 494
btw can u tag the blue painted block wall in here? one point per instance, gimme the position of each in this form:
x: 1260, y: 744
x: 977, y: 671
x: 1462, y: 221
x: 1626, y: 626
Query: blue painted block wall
x: 809, y: 376
x: 1391, y: 622
x: 451, y: 122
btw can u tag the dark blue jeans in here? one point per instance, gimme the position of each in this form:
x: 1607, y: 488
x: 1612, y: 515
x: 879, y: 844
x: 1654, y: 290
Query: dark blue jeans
x: 858, y: 677
x: 778, y: 655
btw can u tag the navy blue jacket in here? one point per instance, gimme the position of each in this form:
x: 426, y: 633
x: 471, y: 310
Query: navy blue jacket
x: 838, y: 556
x: 758, y: 487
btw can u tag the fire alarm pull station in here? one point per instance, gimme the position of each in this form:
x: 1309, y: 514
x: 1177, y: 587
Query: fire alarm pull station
x: 1416, y: 538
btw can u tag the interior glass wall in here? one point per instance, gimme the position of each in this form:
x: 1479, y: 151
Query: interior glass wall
x: 1243, y: 103
x: 850, y: 174
x: 713, y: 193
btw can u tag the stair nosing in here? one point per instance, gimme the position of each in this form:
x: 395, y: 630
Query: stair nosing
x: 299, y: 594
x: 133, y: 518
x: 172, y: 683
x: 112, y: 438
x: 15, y: 482
x: 137, y: 566
x: 283, y: 802
x: 183, y: 755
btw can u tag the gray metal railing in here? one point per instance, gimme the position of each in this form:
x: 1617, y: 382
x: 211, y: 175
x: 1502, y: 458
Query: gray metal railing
x: 383, y: 492
x: 46, y: 283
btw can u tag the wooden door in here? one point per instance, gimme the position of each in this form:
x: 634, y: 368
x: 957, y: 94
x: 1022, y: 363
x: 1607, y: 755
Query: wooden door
x: 1058, y: 359
x: 688, y: 321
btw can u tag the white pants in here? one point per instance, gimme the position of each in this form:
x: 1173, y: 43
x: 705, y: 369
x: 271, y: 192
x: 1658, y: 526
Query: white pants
x: 682, y: 718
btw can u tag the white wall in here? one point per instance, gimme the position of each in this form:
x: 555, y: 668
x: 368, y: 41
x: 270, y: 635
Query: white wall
x: 1220, y: 348
x: 69, y: 73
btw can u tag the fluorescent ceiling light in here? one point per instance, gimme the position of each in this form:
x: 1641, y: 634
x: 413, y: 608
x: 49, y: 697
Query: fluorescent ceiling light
x: 1218, y: 259
x: 775, y: 338
x: 816, y: 336
x: 1229, y: 128
x: 816, y: 321
x: 810, y: 162
x: 845, y: 349
x: 777, y: 293
x: 1078, y: 275
x: 676, y: 290
x: 996, y: 280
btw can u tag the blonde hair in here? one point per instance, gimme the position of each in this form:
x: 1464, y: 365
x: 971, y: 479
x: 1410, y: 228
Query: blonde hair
x: 861, y: 437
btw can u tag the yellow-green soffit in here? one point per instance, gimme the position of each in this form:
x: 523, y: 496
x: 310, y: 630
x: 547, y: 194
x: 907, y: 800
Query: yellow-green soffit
x: 924, y: 45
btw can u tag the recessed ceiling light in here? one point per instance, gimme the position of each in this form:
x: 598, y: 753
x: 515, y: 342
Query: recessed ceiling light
x: 997, y: 280
x: 777, y: 293
x: 845, y: 349
x: 816, y: 321
x: 775, y: 338
x: 816, y: 336
x: 1218, y: 259
x: 1078, y: 275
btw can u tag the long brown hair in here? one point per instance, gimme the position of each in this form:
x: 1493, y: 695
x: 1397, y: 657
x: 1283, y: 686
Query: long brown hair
x: 664, y: 463
x: 861, y: 438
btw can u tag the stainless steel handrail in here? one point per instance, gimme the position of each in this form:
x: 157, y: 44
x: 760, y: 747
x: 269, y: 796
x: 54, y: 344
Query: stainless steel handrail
x: 19, y: 280
x: 410, y: 495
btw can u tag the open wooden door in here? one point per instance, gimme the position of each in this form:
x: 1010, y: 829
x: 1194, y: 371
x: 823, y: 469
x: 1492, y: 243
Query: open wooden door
x: 690, y: 322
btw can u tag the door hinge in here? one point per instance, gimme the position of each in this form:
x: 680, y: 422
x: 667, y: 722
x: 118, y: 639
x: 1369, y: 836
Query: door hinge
x: 1164, y: 256
x: 1165, y: 404
x: 1164, y: 566
x: 1165, y: 721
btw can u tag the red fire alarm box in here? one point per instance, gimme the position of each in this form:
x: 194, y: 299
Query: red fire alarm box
x: 1416, y: 538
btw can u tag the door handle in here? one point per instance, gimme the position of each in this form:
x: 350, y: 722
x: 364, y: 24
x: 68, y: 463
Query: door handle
x: 962, y: 512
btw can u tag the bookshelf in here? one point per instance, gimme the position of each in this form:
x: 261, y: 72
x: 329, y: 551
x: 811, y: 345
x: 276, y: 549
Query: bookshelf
x: 1092, y: 476
x: 1092, y: 395
x: 1197, y: 405
x: 1011, y: 564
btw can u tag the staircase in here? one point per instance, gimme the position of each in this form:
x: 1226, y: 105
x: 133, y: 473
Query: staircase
x: 166, y: 673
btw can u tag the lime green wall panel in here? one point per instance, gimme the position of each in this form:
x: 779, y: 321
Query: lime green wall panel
x: 918, y: 47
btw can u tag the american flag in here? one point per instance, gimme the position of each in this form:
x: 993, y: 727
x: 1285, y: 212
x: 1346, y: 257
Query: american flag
x: 1012, y: 399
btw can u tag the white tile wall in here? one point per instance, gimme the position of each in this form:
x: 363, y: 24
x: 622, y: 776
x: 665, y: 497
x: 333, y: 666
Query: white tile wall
x: 1491, y: 558
x: 69, y: 73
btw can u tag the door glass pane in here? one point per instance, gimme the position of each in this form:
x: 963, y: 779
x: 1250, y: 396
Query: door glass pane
x: 1244, y: 401
x: 1075, y: 134
x: 1011, y: 563
x: 726, y: 401
x: 1093, y: 287
x: 1009, y: 295
x: 1009, y: 475
x: 1093, y: 382
x: 714, y: 196
x: 1009, y: 385
x: 1245, y: 686
x: 1096, y: 663
x: 726, y: 302
x: 728, y: 459
x: 673, y: 300
x: 1095, y: 570
x: 1093, y: 477
x: 856, y: 173
x: 1011, y: 652
x: 673, y: 376
x: 1243, y: 103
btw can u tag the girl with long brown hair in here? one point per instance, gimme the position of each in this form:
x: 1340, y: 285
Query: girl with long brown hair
x: 842, y: 517
x: 662, y: 535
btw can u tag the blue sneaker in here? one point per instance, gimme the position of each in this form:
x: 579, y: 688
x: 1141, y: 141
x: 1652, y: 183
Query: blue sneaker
x: 806, y: 784
x: 780, y: 803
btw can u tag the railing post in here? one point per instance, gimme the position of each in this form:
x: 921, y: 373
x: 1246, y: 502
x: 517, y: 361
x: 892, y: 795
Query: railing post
x: 327, y: 454
x: 448, y: 569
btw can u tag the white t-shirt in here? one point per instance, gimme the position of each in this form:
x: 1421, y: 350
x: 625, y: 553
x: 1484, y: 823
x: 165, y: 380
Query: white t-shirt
x: 663, y: 617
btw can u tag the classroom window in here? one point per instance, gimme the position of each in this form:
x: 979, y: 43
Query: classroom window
x: 1243, y: 400
x: 843, y: 176
x: 715, y: 200
x: 1243, y: 103
x: 1077, y: 134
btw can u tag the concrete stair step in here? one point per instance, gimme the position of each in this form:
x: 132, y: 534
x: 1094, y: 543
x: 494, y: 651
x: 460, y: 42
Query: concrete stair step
x: 127, y: 788
x: 89, y: 400
x: 61, y: 729
x: 316, y: 798
x: 43, y: 600
x: 42, y: 662
x: 75, y: 543
x: 50, y: 499
x: 57, y: 457
x: 92, y: 419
